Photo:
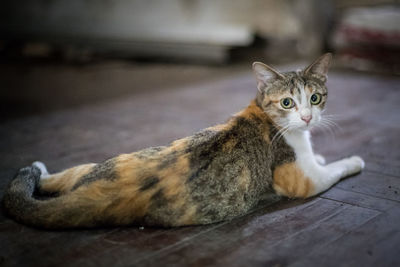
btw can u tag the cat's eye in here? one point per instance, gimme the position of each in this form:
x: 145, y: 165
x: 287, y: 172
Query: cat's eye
x: 315, y: 99
x: 287, y: 103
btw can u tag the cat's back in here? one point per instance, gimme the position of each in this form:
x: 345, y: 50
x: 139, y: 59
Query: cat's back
x: 215, y: 174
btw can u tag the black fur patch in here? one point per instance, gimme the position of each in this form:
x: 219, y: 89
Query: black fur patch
x: 104, y: 170
x: 149, y: 182
x: 158, y: 198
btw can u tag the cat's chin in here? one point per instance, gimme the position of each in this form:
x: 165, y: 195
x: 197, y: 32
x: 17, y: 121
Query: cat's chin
x: 300, y: 129
x: 306, y: 127
x: 303, y: 128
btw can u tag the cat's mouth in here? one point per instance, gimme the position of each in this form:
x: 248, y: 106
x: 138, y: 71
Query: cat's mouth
x: 300, y: 126
x: 297, y: 126
x: 309, y: 125
x: 305, y: 127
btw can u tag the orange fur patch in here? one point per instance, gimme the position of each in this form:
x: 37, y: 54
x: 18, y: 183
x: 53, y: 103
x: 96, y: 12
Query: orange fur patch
x: 219, y: 127
x: 178, y: 145
x: 64, y: 181
x: 289, y: 180
x: 133, y: 203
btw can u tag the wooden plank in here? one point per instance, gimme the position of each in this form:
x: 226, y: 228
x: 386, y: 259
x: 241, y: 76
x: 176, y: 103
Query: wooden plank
x: 124, y: 247
x: 24, y: 246
x: 289, y: 251
x: 382, y: 152
x: 373, y: 184
x: 87, y: 247
x: 359, y: 199
x: 252, y: 242
x: 376, y: 243
x: 382, y: 167
x: 385, y: 252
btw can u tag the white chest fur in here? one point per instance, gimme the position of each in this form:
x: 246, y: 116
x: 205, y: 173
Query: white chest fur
x: 305, y: 158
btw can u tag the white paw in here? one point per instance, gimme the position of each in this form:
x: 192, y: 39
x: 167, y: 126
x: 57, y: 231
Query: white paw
x: 320, y: 159
x: 359, y: 161
x: 42, y: 168
x: 356, y: 164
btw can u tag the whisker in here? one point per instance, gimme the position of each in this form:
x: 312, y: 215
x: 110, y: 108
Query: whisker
x: 327, y: 126
x: 334, y: 116
x: 332, y: 123
x: 278, y: 135
x: 281, y: 132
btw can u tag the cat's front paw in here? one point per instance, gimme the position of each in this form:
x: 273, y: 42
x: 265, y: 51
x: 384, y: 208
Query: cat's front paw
x: 357, y: 164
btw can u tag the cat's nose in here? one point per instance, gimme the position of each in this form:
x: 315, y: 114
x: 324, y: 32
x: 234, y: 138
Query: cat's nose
x: 307, y: 119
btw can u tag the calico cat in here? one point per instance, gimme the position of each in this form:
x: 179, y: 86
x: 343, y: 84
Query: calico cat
x: 217, y: 174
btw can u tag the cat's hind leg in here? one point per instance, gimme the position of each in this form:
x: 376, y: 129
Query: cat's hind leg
x: 64, y: 181
x: 43, y: 170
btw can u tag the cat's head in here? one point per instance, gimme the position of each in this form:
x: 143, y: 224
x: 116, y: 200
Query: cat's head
x: 293, y: 100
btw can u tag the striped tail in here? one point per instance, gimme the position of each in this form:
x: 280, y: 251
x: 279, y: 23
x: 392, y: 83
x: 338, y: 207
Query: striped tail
x: 18, y: 200
x: 55, y: 213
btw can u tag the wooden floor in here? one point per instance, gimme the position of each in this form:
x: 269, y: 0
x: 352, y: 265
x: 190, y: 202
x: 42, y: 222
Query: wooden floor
x: 356, y: 223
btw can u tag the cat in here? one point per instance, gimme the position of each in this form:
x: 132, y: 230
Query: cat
x: 217, y: 174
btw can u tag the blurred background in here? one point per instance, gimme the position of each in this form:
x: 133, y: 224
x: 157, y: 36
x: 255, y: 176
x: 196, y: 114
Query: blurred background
x: 56, y: 54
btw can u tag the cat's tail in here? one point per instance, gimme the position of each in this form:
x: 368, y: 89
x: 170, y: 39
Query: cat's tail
x: 18, y: 200
x: 56, y: 213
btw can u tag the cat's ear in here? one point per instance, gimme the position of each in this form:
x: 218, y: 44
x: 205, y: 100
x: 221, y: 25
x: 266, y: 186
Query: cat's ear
x: 320, y: 67
x: 264, y: 73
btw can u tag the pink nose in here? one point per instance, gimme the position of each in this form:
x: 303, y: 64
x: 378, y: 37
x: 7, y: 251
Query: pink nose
x: 307, y: 119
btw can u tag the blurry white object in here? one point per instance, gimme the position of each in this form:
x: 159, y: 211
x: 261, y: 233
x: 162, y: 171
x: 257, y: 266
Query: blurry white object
x: 195, y: 29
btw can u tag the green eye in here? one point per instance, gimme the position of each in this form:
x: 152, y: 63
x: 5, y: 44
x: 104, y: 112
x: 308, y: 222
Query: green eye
x: 287, y: 103
x: 315, y: 99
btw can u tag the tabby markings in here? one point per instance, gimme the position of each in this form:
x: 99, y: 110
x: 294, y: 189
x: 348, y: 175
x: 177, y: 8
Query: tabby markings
x: 149, y: 182
x: 104, y: 170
